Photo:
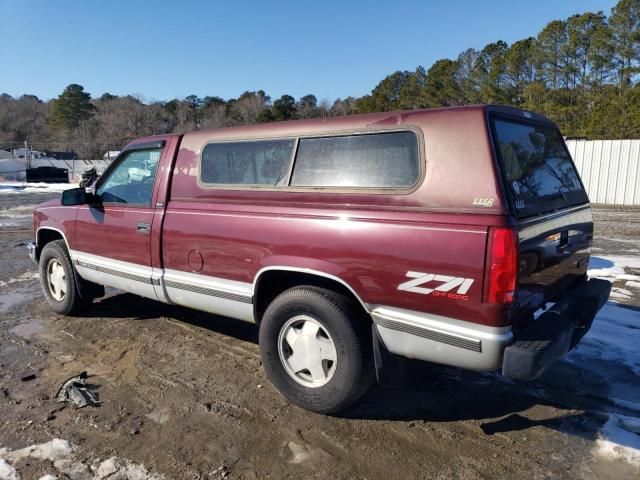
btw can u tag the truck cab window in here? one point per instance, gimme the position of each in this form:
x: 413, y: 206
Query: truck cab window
x: 131, y: 180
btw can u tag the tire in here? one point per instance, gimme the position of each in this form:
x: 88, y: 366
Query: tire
x: 59, y: 288
x: 292, y: 318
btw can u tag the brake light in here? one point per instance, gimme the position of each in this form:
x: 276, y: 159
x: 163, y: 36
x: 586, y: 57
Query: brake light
x: 501, y: 269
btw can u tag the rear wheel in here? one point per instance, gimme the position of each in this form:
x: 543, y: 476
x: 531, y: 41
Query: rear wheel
x: 316, y: 349
x: 57, y: 279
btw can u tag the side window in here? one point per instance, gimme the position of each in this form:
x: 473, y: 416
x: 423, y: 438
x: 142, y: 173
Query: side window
x: 373, y: 160
x: 264, y: 162
x: 131, y: 180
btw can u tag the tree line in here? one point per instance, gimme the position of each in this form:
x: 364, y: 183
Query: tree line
x: 583, y: 72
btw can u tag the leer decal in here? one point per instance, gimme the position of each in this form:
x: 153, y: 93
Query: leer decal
x: 483, y: 202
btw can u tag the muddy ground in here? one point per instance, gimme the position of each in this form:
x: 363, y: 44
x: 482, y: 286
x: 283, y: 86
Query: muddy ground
x: 184, y: 396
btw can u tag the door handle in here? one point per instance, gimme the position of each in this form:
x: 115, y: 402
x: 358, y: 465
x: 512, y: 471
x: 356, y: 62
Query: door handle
x: 144, y: 227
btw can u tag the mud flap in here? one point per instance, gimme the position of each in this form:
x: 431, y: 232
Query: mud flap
x: 87, y: 290
x: 390, y: 368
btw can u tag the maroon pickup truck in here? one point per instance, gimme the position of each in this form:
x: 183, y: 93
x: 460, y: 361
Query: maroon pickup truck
x: 457, y: 236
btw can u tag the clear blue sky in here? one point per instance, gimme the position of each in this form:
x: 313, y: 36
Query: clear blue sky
x: 165, y: 49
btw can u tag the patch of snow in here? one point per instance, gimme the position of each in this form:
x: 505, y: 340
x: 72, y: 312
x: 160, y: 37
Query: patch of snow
x: 6, y: 214
x: 614, y: 336
x: 626, y: 404
x: 619, y: 439
x: 108, y: 467
x: 7, y: 472
x: 631, y: 278
x: 60, y: 453
x: 620, y: 293
x: 299, y: 452
x: 623, y: 291
x: 72, y: 469
x: 115, y: 467
x: 610, y: 351
x: 52, y: 451
x: 612, y: 268
x: 7, y: 188
x: 25, y: 277
x: 159, y: 416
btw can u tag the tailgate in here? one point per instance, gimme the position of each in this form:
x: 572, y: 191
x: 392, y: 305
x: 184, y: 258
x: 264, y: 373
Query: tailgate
x: 554, y: 254
x: 549, y: 203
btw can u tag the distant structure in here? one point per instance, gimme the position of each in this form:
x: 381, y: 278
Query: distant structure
x: 610, y: 169
x: 111, y: 154
x: 66, y: 155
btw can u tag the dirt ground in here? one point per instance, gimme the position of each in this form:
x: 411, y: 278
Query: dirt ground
x: 617, y: 230
x: 184, y: 396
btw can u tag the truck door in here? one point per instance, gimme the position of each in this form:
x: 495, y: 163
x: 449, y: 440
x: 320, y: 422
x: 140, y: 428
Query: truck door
x: 113, y: 233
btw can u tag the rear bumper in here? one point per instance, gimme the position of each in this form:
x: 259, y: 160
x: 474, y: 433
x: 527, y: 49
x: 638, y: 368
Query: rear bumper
x: 438, y: 339
x: 555, y: 332
x: 523, y: 354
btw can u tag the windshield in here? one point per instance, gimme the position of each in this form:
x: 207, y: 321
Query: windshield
x: 537, y: 168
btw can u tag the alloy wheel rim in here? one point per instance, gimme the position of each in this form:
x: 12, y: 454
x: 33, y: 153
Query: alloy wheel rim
x: 307, y: 351
x: 56, y: 280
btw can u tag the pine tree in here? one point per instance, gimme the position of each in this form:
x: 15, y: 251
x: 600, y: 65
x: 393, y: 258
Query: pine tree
x: 71, y: 107
x: 625, y: 27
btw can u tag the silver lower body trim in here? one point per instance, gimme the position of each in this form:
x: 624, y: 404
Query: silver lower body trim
x: 125, y: 276
x: 214, y: 295
x: 118, y: 273
x: 439, y: 339
x: 212, y: 292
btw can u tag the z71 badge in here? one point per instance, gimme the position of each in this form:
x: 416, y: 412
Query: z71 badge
x: 444, y: 289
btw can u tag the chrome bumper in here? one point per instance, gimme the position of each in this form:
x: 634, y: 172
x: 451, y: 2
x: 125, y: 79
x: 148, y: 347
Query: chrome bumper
x: 31, y: 246
x: 438, y: 339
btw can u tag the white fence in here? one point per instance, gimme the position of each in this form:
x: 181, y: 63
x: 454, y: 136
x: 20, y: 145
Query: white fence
x: 610, y: 169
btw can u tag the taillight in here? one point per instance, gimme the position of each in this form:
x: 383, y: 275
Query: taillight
x: 501, y: 269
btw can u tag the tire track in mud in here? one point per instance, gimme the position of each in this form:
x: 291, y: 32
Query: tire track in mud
x: 236, y: 348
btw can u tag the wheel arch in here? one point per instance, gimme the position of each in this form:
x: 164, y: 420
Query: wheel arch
x: 47, y: 234
x: 272, y: 281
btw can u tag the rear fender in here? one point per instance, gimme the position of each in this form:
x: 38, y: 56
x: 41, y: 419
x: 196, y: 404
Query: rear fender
x: 319, y: 268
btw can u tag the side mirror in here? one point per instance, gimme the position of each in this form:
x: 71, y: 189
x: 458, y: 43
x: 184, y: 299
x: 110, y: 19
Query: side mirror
x: 74, y: 196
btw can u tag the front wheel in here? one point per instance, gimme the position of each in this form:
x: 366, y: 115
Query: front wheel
x: 57, y: 279
x: 316, y: 349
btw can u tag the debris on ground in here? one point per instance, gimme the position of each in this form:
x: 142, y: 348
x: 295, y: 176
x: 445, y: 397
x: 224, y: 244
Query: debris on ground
x: 219, y: 473
x: 75, y: 390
